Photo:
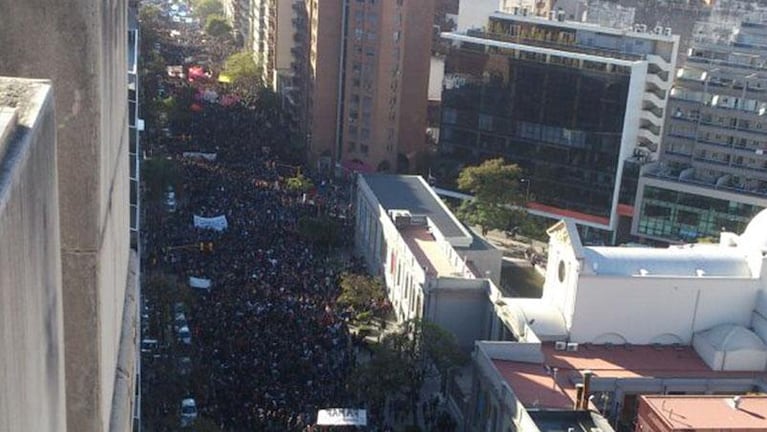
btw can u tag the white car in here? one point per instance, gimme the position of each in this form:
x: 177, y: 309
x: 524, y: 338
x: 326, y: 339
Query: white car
x: 179, y: 320
x: 188, y: 412
x: 184, y: 335
x: 170, y: 200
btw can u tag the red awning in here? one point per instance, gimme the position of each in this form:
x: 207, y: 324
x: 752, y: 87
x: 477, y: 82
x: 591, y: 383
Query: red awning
x: 568, y: 213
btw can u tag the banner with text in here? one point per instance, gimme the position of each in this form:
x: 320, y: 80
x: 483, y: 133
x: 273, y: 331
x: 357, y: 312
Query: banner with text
x: 201, y: 155
x: 200, y: 283
x: 218, y: 223
x: 342, y: 417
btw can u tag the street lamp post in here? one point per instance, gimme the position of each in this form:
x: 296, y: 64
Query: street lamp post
x: 526, y: 181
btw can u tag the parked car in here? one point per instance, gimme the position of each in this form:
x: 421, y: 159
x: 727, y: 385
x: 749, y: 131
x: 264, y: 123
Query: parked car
x: 188, y: 412
x: 184, y: 335
x: 170, y: 200
x: 149, y: 345
x: 179, y: 320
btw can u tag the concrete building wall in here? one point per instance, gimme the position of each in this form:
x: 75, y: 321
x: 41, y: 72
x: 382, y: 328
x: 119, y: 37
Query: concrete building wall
x: 641, y: 312
x: 81, y: 45
x: 465, y: 300
x: 32, y: 396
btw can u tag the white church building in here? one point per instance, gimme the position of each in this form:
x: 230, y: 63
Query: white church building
x: 710, y: 296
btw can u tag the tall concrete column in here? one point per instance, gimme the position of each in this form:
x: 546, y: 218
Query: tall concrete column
x: 81, y: 46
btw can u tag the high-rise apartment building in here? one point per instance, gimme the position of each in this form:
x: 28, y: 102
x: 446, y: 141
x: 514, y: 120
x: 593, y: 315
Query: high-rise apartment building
x: 237, y: 12
x: 577, y: 106
x: 712, y: 173
x: 367, y: 70
x: 81, y: 46
x: 32, y: 386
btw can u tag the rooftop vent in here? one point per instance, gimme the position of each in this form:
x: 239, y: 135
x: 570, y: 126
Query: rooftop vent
x: 734, y: 403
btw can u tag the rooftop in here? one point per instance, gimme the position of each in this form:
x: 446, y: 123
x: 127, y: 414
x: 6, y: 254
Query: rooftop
x: 675, y: 261
x: 534, y: 386
x: 540, y: 386
x: 426, y: 250
x: 634, y: 361
x: 709, y: 412
x: 404, y: 192
x: 578, y: 25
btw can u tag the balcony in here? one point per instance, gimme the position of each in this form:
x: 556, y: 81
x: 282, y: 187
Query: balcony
x: 657, y: 81
x: 648, y: 138
x: 659, y: 61
x: 652, y: 98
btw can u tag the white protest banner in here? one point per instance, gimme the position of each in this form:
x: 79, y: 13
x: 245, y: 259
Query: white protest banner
x: 200, y: 155
x: 200, y: 283
x: 217, y: 223
x: 342, y: 417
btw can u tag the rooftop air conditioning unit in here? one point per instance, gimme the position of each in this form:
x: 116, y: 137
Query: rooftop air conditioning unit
x: 667, y: 31
x: 560, y: 345
x: 572, y: 347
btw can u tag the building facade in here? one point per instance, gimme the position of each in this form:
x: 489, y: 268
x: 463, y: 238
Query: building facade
x: 712, y: 173
x: 33, y: 386
x: 82, y: 47
x: 237, y: 12
x: 433, y: 267
x: 372, y: 116
x: 579, y: 107
x: 616, y: 323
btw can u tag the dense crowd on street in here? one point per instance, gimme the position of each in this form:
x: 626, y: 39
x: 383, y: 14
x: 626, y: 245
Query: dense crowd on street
x: 266, y: 333
x: 268, y: 348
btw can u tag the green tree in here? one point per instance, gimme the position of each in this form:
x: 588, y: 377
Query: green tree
x: 320, y: 230
x: 244, y: 71
x: 217, y: 26
x: 157, y: 175
x: 299, y: 184
x: 205, y: 8
x: 405, y: 359
x: 362, y: 292
x: 495, y: 186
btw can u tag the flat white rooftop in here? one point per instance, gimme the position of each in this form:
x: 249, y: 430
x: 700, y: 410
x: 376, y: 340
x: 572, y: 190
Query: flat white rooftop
x: 427, y: 251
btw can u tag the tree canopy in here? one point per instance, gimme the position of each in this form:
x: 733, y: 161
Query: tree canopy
x: 495, y: 186
x: 217, y: 26
x: 205, y: 8
x: 243, y: 69
x: 299, y: 184
x: 158, y: 174
x: 362, y: 292
x: 405, y: 358
x: 321, y: 230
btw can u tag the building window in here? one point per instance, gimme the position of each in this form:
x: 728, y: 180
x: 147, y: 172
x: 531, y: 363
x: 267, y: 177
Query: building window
x: 351, y: 146
x: 364, y: 149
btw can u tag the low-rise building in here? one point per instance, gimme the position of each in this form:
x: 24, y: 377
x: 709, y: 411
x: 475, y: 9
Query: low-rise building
x: 702, y: 413
x: 434, y: 267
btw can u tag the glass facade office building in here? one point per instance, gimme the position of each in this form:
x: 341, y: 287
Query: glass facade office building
x: 681, y: 216
x: 558, y: 118
x: 714, y: 150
